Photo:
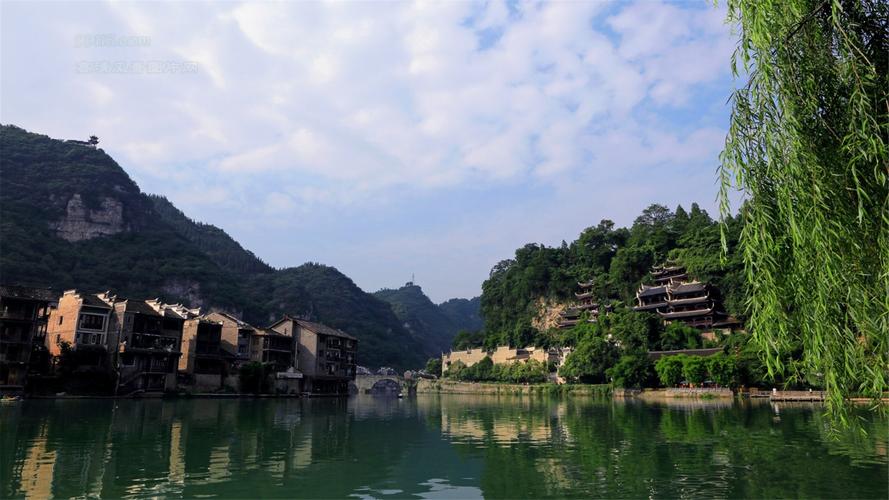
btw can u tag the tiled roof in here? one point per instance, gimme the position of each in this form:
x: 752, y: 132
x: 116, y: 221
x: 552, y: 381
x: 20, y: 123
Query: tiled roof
x: 240, y: 323
x: 685, y: 314
x: 654, y: 290
x: 688, y: 288
x: 323, y: 329
x: 654, y: 355
x: 140, y: 307
x: 93, y: 301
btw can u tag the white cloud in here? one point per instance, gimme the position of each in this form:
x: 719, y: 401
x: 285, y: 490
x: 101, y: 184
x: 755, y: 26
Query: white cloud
x: 300, y: 107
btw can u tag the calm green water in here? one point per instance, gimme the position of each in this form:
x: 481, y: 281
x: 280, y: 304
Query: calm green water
x: 433, y: 446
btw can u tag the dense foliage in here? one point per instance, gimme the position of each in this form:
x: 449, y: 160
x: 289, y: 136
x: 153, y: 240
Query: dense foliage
x: 809, y: 145
x: 721, y: 369
x: 617, y: 259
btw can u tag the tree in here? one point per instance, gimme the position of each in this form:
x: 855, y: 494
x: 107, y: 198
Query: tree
x: 93, y: 140
x: 634, y: 370
x: 468, y: 340
x: 680, y: 336
x: 588, y: 362
x: 669, y: 370
x: 252, y: 377
x: 807, y: 143
x: 433, y: 367
x: 723, y: 370
x: 694, y: 369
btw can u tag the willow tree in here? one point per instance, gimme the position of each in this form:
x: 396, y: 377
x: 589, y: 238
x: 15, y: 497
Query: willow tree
x: 807, y: 146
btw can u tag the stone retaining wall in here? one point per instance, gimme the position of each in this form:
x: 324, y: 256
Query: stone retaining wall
x: 444, y: 386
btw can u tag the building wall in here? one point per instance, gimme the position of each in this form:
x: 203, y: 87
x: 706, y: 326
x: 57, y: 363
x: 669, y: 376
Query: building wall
x: 501, y: 355
x: 188, y: 345
x: 62, y: 324
x: 468, y: 357
x: 307, y: 342
x: 142, y: 359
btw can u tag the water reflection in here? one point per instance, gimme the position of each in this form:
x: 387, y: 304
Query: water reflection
x: 434, y: 446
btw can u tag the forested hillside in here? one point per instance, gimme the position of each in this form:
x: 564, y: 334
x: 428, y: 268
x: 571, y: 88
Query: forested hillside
x: 617, y: 259
x: 434, y: 325
x: 71, y: 217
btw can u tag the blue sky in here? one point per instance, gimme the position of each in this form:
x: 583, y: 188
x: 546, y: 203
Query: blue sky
x: 386, y: 138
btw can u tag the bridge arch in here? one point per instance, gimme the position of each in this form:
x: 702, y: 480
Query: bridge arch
x: 385, y: 386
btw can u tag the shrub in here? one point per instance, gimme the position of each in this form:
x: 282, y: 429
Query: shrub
x: 253, y: 377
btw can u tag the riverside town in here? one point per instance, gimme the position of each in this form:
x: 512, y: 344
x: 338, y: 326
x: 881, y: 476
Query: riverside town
x: 102, y: 344
x: 459, y: 249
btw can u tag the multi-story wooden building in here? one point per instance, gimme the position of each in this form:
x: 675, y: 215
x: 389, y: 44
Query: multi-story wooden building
x: 274, y: 348
x: 150, y: 336
x: 83, y: 323
x: 327, y: 357
x: 676, y: 298
x: 235, y: 337
x: 23, y: 321
x: 202, y: 362
x: 586, y: 303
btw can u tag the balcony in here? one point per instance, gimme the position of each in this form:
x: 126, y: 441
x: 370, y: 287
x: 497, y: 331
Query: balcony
x: 16, y: 313
x: 90, y: 340
x: 153, y: 342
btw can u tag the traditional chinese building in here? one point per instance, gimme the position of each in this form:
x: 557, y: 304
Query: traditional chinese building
x: 586, y: 303
x: 149, y: 343
x: 327, y: 357
x: 674, y: 297
x: 202, y: 363
x: 83, y: 324
x: 235, y: 337
x: 23, y: 321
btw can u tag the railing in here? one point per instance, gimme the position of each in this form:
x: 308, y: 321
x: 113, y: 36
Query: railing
x: 90, y: 339
x: 146, y: 341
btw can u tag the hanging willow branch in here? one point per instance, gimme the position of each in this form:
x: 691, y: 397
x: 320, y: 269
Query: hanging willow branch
x: 807, y: 145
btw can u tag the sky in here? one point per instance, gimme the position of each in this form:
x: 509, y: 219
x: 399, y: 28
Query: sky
x: 387, y: 139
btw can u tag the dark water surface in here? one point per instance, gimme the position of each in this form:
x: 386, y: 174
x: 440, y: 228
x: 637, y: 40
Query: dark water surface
x: 434, y: 446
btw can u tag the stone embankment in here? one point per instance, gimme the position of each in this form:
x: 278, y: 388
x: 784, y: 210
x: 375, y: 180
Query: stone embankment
x: 454, y: 387
x: 682, y: 392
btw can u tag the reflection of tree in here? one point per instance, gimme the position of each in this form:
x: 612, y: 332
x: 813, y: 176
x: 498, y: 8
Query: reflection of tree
x: 513, y: 446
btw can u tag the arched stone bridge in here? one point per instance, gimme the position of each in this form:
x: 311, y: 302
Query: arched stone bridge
x: 382, y: 384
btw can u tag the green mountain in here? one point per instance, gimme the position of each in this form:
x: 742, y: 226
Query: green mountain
x: 617, y: 260
x: 71, y: 217
x: 435, y: 326
x: 465, y: 314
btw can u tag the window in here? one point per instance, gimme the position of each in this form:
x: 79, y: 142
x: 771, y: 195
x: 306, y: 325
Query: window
x: 92, y: 322
x: 61, y: 318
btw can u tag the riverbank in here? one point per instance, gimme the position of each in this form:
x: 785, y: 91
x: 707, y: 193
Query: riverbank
x: 443, y: 386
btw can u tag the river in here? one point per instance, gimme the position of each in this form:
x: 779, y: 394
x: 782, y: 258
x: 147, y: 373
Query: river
x: 448, y: 446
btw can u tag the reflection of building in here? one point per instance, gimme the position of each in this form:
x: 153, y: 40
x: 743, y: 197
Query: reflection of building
x: 327, y: 357
x: 674, y: 298
x: 38, y: 468
x: 23, y: 322
x: 586, y: 304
